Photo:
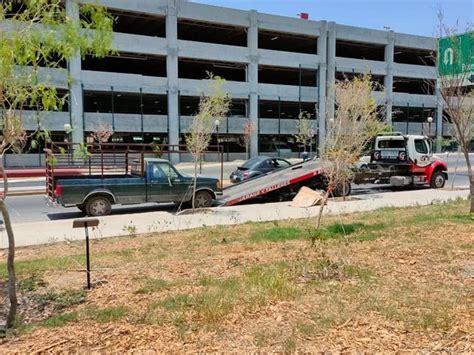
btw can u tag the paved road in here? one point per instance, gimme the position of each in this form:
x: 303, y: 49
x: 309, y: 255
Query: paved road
x: 34, y: 208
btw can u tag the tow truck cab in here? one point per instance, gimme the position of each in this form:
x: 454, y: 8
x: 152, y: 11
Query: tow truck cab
x: 407, y: 160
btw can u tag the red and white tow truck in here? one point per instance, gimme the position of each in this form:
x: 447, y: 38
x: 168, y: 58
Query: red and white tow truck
x: 398, y: 160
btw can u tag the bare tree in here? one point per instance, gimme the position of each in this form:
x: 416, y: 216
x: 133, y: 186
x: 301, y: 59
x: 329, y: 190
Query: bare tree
x: 249, y: 129
x: 102, y: 132
x: 25, y: 46
x: 456, y: 88
x: 355, y: 123
x: 213, y: 106
x: 304, y: 125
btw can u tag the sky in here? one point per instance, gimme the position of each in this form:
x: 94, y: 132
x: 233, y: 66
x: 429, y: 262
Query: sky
x: 406, y: 16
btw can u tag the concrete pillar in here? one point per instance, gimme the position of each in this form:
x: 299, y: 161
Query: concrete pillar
x: 331, y: 69
x: 388, y: 80
x: 76, y: 106
x: 252, y: 77
x: 172, y: 75
x: 322, y: 52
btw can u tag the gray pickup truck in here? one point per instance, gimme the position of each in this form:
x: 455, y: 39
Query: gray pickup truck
x: 157, y: 181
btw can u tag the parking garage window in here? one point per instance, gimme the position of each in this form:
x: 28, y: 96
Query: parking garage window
x: 212, y: 33
x: 360, y: 50
x: 414, y: 56
x: 412, y: 114
x: 189, y: 106
x: 413, y: 86
x: 138, y: 24
x: 285, y: 109
x: 127, y: 63
x: 377, y: 80
x: 199, y: 69
x: 120, y: 102
x: 287, y: 42
x: 287, y: 76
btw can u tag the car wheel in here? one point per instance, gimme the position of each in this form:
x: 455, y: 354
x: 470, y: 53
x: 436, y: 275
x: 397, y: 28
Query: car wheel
x: 203, y: 199
x: 437, y: 180
x: 342, y: 190
x: 98, y: 206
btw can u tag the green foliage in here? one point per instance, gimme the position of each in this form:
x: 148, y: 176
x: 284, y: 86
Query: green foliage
x: 304, y: 124
x: 59, y: 320
x: 60, y: 300
x: 213, y: 106
x: 32, y: 283
x: 277, y: 234
x: 82, y: 152
x: 42, y: 35
x: 105, y: 315
x: 153, y: 285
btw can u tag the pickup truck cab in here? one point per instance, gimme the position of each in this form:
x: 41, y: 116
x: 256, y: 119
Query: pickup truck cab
x: 157, y: 180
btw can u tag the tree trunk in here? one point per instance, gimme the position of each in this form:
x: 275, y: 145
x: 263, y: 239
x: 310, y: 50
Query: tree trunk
x: 10, y: 266
x: 11, y: 252
x: 195, y: 180
x: 470, y: 176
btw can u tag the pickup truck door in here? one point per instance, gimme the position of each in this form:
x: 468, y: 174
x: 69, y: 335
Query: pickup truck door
x: 159, y: 186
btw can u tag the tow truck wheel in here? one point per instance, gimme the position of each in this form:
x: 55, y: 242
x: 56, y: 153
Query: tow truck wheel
x: 203, y: 199
x: 437, y: 180
x: 98, y: 206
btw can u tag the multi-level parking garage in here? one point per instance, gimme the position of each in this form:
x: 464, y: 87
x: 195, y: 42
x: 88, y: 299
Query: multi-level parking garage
x: 274, y: 66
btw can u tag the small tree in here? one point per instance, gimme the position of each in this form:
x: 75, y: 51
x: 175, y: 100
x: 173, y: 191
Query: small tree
x: 354, y: 124
x: 35, y: 34
x: 303, y: 125
x: 212, y: 106
x: 457, y: 91
x: 102, y: 132
x: 249, y: 129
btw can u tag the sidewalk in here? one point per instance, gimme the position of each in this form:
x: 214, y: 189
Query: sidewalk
x: 27, y: 234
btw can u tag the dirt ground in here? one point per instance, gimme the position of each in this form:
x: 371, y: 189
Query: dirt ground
x: 391, y: 280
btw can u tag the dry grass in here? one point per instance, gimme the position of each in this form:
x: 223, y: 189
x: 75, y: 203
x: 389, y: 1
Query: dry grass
x: 387, y: 280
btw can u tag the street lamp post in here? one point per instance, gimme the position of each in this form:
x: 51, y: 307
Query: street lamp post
x: 430, y: 121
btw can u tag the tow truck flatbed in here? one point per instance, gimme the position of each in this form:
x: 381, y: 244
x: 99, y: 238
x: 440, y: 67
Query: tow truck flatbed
x: 306, y: 173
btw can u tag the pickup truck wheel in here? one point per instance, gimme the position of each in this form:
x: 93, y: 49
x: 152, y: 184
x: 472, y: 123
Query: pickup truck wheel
x: 437, y: 180
x: 202, y: 199
x: 98, y: 206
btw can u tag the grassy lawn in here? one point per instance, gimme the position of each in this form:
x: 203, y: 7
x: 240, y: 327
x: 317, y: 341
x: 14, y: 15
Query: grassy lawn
x: 381, y: 281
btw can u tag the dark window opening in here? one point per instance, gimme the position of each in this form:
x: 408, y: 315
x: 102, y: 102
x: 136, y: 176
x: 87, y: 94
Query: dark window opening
x: 287, y: 42
x: 212, y: 33
x: 412, y: 114
x: 127, y: 63
x: 414, y: 56
x: 199, y: 69
x: 189, y: 106
x: 281, y: 145
x: 413, y: 86
x: 139, y: 24
x: 119, y: 102
x: 377, y: 80
x: 286, y: 76
x: 360, y: 50
x: 285, y: 109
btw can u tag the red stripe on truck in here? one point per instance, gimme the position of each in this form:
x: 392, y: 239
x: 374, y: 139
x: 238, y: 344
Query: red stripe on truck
x: 271, y: 188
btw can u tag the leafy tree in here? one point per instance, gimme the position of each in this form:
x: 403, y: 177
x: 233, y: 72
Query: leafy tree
x: 303, y: 125
x: 355, y: 123
x: 213, y: 107
x: 249, y: 128
x: 36, y: 34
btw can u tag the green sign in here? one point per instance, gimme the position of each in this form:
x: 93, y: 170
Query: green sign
x: 456, y: 56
